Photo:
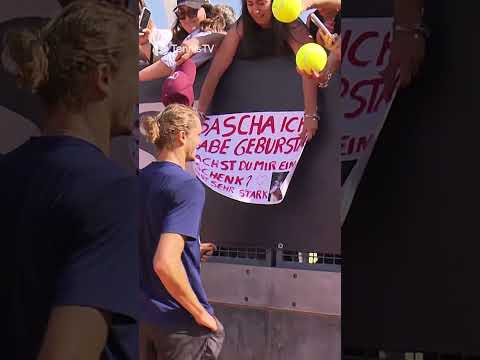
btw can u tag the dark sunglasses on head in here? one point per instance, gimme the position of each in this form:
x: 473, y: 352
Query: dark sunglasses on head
x: 182, y: 13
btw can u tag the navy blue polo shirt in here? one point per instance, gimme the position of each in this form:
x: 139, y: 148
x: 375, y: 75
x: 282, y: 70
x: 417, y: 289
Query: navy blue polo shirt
x: 69, y: 235
x: 171, y: 201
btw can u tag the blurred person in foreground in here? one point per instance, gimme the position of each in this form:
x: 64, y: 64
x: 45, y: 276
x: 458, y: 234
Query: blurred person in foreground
x: 19, y: 100
x: 69, y: 211
x: 407, y: 52
x: 177, y: 321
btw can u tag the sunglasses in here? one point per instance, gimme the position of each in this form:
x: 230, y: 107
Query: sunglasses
x: 183, y: 13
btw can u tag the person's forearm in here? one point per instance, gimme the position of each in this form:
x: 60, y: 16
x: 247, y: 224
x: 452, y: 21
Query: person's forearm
x: 309, y: 96
x: 174, y: 277
x: 333, y: 64
x: 157, y: 70
x: 214, y: 39
x: 75, y: 332
x: 408, y: 11
x: 207, y: 92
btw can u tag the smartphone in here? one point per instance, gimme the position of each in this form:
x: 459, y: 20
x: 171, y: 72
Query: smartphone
x: 144, y: 18
x: 322, y: 26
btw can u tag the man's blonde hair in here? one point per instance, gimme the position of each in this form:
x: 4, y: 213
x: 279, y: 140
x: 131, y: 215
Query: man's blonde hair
x: 56, y: 61
x: 162, y: 129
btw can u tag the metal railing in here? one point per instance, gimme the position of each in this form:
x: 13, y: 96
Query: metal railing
x: 254, y: 256
x: 371, y: 354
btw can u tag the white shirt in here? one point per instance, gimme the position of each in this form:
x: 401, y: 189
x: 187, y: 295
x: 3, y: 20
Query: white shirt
x: 160, y: 40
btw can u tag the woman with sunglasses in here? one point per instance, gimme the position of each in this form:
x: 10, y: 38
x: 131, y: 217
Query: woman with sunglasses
x: 211, y: 24
x: 188, y: 39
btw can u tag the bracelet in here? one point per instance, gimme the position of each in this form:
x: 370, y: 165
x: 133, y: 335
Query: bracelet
x: 416, y: 29
x: 313, y: 116
x: 325, y: 83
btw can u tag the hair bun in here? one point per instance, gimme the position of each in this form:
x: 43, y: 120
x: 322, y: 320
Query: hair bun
x: 149, y: 128
x: 25, y: 56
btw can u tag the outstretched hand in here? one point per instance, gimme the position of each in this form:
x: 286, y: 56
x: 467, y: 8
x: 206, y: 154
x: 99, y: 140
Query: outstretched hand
x: 322, y: 78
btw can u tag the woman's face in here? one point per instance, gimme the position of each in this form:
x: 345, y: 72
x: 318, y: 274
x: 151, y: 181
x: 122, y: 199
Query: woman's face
x: 260, y: 11
x: 190, y: 18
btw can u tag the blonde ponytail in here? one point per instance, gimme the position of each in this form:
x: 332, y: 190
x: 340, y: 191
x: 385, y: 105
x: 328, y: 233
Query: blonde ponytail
x: 25, y: 55
x: 150, y: 127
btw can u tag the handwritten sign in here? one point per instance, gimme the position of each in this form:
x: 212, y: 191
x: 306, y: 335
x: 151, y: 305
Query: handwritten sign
x: 366, y: 44
x: 250, y: 157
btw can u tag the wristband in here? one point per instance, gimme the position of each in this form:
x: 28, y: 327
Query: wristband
x: 313, y: 116
x: 416, y: 29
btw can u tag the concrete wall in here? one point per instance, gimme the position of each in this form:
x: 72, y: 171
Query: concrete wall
x: 275, y: 313
x: 264, y: 334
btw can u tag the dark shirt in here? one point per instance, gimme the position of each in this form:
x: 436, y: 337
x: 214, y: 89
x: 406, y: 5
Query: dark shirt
x: 69, y: 238
x: 258, y: 42
x: 172, y: 201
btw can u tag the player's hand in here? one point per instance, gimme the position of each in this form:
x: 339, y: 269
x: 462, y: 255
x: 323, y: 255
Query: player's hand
x: 208, y: 321
x: 206, y: 250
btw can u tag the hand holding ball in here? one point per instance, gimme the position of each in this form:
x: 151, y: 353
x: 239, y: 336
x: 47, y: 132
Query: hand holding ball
x: 311, y: 57
x: 287, y: 11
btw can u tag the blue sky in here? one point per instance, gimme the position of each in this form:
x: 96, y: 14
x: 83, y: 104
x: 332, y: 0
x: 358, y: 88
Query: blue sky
x: 158, y: 11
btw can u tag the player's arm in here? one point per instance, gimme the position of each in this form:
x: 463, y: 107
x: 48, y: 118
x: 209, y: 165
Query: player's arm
x: 168, y: 265
x: 75, y: 333
x: 220, y: 63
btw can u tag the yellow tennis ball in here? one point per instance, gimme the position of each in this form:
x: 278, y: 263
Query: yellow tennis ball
x: 311, y: 57
x: 286, y: 11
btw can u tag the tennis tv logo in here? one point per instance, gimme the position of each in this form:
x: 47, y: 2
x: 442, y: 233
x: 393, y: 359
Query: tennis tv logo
x: 204, y: 48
